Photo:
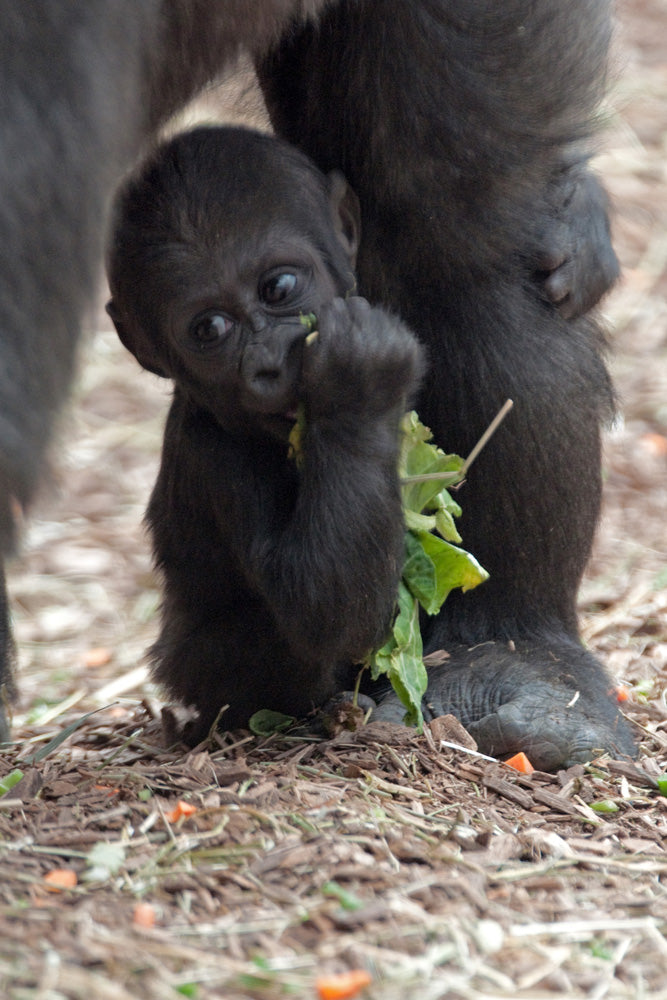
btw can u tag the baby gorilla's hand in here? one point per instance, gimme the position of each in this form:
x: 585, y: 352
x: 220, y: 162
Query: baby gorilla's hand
x: 363, y: 361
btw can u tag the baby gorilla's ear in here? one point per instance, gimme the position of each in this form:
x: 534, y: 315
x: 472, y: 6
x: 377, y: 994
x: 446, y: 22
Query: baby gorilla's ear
x: 346, y: 215
x: 136, y: 341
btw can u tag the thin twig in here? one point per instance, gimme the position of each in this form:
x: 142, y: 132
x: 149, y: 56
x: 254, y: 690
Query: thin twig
x: 490, y: 430
x: 458, y: 476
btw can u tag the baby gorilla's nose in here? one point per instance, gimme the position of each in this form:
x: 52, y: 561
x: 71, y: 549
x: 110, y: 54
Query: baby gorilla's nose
x: 270, y: 369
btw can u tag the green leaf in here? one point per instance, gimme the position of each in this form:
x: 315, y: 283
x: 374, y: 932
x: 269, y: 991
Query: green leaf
x: 419, y: 522
x: 401, y: 658
x: 454, y: 567
x: 347, y: 899
x: 601, y: 950
x: 605, y: 806
x: 433, y: 565
x: 188, y: 990
x: 419, y: 574
x: 265, y: 722
x: 433, y: 568
x: 417, y: 458
x: 662, y: 784
x: 11, y: 779
x: 446, y: 511
x: 64, y: 734
x: 445, y: 502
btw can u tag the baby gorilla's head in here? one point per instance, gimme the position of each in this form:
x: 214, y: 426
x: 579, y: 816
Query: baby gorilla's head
x: 221, y: 243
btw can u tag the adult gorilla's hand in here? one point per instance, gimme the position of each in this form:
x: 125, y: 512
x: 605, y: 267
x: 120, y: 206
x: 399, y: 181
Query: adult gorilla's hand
x: 575, y: 264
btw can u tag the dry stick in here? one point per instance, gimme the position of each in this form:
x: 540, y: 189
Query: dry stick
x: 490, y: 430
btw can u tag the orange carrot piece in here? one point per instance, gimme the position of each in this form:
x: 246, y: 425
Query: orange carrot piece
x: 180, y: 809
x: 60, y: 878
x: 655, y: 444
x: 520, y: 763
x: 106, y: 788
x: 98, y: 656
x: 343, y: 985
x: 144, y: 915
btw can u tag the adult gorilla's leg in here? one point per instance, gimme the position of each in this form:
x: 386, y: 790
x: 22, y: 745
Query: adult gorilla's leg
x: 64, y: 70
x: 7, y: 658
x: 82, y: 85
x: 452, y: 126
x: 517, y: 674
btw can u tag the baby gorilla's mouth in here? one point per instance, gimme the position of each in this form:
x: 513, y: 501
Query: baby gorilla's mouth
x: 279, y: 425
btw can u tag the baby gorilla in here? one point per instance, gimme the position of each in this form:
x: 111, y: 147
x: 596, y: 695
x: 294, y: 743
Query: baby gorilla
x: 280, y: 574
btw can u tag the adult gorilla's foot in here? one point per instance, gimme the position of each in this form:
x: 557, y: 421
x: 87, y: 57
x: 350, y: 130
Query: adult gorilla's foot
x: 553, y: 701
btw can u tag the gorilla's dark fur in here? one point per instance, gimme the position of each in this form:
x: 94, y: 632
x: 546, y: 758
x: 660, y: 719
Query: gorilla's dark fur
x: 281, y: 570
x: 462, y: 126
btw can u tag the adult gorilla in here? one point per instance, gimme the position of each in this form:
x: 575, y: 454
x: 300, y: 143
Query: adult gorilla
x: 459, y: 124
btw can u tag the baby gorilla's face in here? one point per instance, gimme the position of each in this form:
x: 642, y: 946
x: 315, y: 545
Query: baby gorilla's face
x: 215, y: 262
x: 234, y: 339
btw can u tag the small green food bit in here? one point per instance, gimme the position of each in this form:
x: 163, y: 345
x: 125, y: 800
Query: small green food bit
x: 9, y: 780
x: 265, y: 722
x: 309, y: 320
x: 295, y: 439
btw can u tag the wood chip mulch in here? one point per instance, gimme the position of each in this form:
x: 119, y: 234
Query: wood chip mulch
x: 440, y: 872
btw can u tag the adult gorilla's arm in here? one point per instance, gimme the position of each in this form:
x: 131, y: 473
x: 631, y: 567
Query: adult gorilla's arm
x: 567, y: 248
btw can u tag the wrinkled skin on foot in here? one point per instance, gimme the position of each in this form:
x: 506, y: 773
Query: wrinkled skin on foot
x: 527, y: 700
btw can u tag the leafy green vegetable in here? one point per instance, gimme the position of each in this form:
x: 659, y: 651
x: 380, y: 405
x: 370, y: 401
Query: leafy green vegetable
x: 188, y: 990
x: 601, y: 950
x: 401, y: 658
x: 266, y: 722
x: 433, y: 565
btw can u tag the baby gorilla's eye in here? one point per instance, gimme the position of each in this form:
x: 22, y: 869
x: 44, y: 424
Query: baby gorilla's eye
x: 209, y: 329
x: 278, y: 288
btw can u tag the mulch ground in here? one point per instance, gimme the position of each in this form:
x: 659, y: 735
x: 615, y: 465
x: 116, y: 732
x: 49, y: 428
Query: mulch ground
x: 443, y: 874
x: 249, y: 868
